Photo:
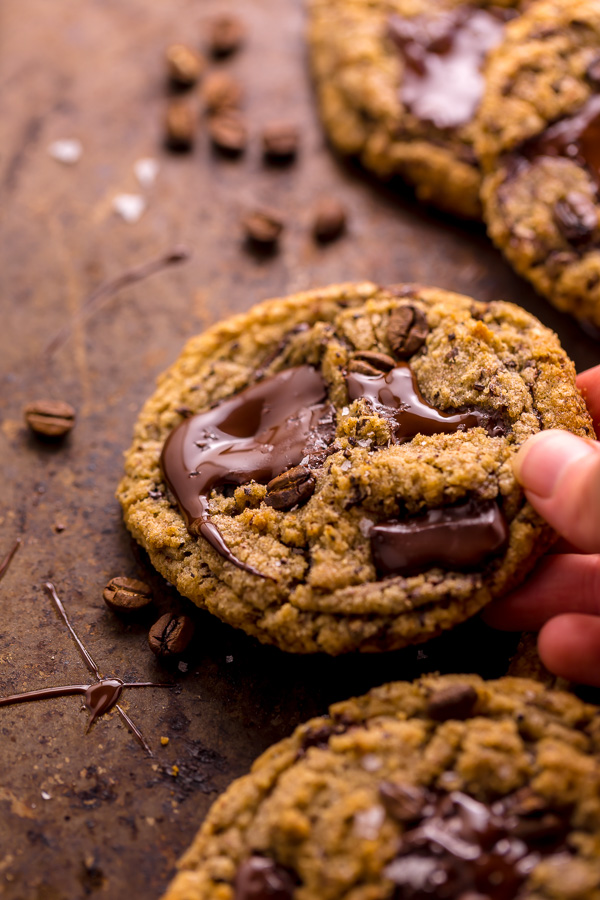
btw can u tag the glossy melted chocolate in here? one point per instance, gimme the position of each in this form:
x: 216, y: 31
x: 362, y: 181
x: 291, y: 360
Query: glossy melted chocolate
x: 454, y: 537
x: 576, y: 137
x: 442, y: 81
x: 397, y: 391
x: 460, y: 847
x: 255, y: 435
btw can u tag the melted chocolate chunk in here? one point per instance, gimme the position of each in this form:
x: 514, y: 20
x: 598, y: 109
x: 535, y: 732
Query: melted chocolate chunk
x: 267, y: 428
x: 442, y: 81
x: 576, y: 137
x: 454, y: 537
x: 396, y: 394
x: 454, y: 702
x: 260, y: 878
x: 463, y: 848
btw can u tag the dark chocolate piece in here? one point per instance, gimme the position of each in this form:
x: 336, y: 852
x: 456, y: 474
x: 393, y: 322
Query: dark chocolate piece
x: 255, y: 435
x: 454, y: 702
x: 442, y: 81
x: 454, y: 537
x: 260, y: 878
x: 575, y: 137
x: 398, y: 392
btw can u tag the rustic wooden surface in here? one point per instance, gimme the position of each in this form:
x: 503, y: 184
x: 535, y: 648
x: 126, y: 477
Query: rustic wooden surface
x: 115, y: 821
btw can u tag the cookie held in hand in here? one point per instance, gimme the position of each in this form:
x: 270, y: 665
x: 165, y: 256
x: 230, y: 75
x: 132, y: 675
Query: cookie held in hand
x: 332, y: 471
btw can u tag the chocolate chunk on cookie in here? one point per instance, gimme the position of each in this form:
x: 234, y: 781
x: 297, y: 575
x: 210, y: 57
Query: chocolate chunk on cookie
x: 496, y: 798
x: 399, y: 85
x: 342, y: 477
x: 539, y: 141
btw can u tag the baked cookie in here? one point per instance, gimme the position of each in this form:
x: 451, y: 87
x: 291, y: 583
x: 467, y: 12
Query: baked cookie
x: 450, y: 788
x: 399, y: 83
x: 332, y: 471
x: 538, y: 137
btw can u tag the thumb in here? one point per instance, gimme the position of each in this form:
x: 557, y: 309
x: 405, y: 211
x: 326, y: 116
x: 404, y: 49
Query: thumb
x: 560, y: 473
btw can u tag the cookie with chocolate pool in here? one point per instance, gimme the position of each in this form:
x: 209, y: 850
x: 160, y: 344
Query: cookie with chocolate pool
x: 399, y: 84
x: 449, y: 788
x: 332, y: 471
x: 538, y: 138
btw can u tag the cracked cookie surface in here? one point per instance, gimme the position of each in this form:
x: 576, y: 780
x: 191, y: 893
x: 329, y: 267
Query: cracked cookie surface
x: 399, y: 82
x: 538, y: 138
x: 449, y: 787
x: 346, y: 547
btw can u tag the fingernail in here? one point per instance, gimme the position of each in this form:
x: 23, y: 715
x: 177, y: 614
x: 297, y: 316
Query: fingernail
x: 542, y: 461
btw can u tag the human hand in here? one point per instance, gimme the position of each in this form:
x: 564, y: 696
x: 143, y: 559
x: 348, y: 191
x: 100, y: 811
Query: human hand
x: 560, y: 473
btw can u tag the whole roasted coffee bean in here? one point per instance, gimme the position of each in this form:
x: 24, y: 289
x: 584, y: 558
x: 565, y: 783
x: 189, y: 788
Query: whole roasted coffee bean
x: 290, y: 489
x: 368, y: 362
x: 228, y: 132
x: 171, y: 635
x: 407, y: 330
x: 263, y: 226
x: 50, y: 418
x: 127, y: 595
x: 329, y: 220
x: 280, y: 141
x: 184, y: 65
x: 260, y: 878
x: 226, y: 35
x: 220, y: 92
x: 454, y: 702
x: 577, y: 218
x: 180, y: 126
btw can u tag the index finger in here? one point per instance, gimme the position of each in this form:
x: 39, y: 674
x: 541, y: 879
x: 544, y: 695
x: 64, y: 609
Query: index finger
x: 589, y: 384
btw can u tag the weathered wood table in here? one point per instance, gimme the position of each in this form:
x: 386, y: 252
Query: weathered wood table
x: 92, y: 814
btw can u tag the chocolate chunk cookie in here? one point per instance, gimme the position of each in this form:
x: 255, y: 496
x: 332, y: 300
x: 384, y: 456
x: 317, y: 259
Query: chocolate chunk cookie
x: 539, y: 142
x: 399, y: 84
x: 332, y: 471
x: 450, y: 788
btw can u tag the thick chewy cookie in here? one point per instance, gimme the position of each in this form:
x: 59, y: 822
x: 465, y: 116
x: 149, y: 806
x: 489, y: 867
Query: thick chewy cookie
x: 332, y: 471
x: 450, y: 788
x: 399, y: 83
x: 538, y: 137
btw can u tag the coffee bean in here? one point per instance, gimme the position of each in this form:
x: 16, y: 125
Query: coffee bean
x: 260, y: 878
x: 171, y: 635
x: 280, y: 141
x: 454, y: 702
x: 226, y: 35
x: 407, y: 330
x: 577, y: 218
x: 228, y: 132
x: 290, y: 489
x: 50, y: 418
x: 369, y: 362
x: 180, y: 126
x: 403, y: 802
x: 329, y: 219
x: 220, y: 92
x: 263, y: 226
x: 593, y: 72
x: 184, y: 65
x: 127, y: 595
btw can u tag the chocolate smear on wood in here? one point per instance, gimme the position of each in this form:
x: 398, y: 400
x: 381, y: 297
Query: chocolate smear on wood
x: 104, y: 292
x: 101, y: 695
x: 5, y: 564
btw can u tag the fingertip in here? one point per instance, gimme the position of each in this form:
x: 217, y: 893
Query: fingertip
x: 569, y: 646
